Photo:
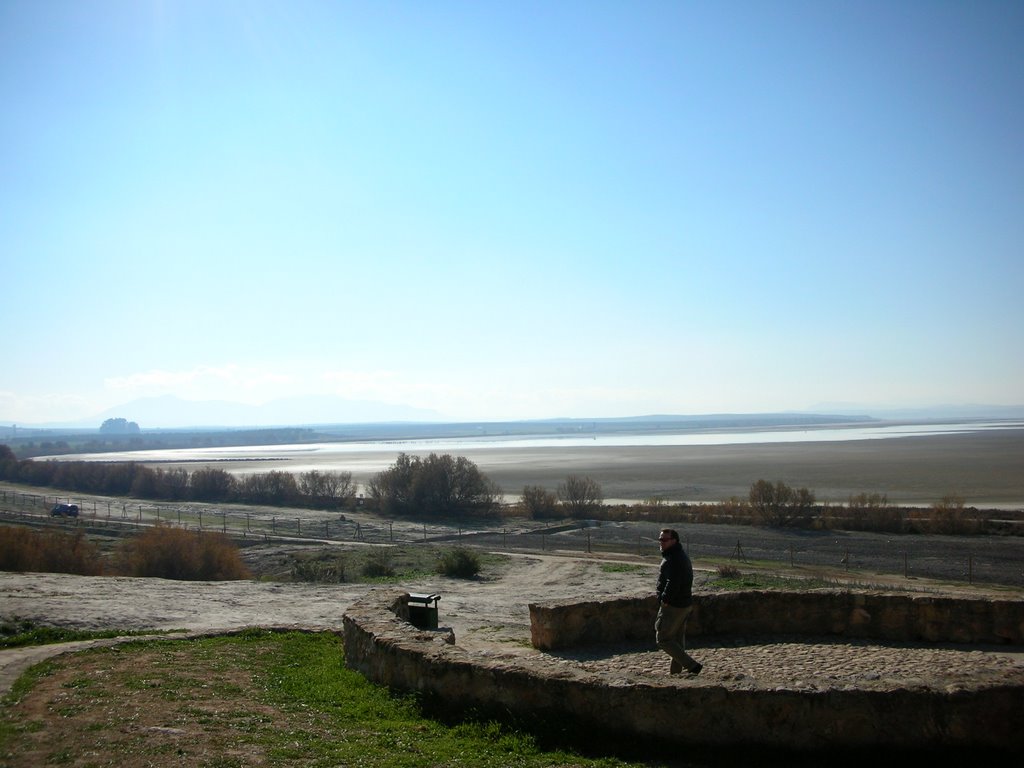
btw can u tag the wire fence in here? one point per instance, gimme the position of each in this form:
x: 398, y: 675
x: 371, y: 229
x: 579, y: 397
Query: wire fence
x: 969, y: 559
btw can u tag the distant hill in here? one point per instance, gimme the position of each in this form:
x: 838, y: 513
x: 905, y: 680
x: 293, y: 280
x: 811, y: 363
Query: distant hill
x: 169, y: 412
x: 364, y: 419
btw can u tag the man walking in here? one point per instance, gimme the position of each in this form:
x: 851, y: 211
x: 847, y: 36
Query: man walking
x: 675, y: 601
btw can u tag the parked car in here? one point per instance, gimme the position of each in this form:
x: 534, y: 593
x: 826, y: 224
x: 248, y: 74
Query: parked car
x: 64, y: 510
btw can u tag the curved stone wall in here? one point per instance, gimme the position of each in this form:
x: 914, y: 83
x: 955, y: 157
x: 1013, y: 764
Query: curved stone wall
x: 698, y: 712
x: 873, y: 615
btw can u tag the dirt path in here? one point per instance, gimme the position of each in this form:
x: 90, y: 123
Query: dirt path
x: 490, y: 610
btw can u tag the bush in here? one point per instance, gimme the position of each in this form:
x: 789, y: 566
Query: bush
x: 777, y: 504
x: 329, y: 570
x: 434, y: 486
x: 459, y: 563
x: 174, y: 553
x: 22, y: 549
x: 539, y: 503
x: 378, y: 563
x: 582, y: 496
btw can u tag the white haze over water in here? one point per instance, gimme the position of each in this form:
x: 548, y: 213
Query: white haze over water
x: 322, y: 453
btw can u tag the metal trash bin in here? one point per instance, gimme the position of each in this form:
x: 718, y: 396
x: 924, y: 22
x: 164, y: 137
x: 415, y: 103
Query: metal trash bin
x: 423, y: 610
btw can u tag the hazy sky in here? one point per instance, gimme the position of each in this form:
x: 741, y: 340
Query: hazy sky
x: 512, y: 210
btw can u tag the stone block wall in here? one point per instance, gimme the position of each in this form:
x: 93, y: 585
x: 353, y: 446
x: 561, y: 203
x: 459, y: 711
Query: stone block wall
x: 705, y: 714
x: 822, y: 612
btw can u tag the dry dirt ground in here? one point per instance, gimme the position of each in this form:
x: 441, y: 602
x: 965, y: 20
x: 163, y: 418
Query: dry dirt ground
x: 136, y: 719
x: 139, y: 719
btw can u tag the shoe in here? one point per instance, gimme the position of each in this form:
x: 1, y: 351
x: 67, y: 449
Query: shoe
x: 675, y: 668
x: 696, y: 670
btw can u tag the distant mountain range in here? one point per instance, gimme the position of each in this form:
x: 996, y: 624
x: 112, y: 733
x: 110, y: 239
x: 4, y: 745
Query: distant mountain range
x: 169, y: 412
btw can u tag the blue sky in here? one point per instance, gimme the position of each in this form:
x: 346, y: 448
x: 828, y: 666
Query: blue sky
x: 512, y: 210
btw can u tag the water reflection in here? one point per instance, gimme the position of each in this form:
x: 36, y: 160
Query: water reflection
x: 318, y: 451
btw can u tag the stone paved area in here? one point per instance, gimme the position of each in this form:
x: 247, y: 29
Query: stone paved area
x: 802, y: 663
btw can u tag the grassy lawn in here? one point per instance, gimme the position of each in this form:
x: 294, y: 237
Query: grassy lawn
x: 259, y: 698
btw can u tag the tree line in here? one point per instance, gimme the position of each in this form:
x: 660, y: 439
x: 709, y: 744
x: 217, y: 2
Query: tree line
x: 324, y: 490
x: 446, y: 486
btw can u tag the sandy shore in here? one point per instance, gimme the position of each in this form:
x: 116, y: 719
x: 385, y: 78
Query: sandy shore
x: 986, y: 469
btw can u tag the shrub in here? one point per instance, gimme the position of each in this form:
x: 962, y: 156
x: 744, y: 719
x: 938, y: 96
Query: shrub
x: 434, y: 486
x: 175, y: 553
x: 22, y: 549
x: 538, y: 502
x: 777, y: 504
x: 327, y: 570
x: 378, y: 563
x: 459, y: 563
x: 727, y: 571
x: 582, y: 496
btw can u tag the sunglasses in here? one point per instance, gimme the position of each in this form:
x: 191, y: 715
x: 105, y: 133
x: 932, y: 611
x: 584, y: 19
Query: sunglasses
x: 665, y: 539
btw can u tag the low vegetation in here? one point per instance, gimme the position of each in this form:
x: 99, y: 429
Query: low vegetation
x: 378, y: 563
x: 778, y: 505
x: 18, y: 633
x: 730, y: 577
x: 50, y: 551
x: 161, y: 551
x: 444, y: 486
x: 459, y: 563
x: 263, y: 698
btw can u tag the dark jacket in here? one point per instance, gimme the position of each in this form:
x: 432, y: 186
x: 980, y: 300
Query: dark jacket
x: 675, y: 577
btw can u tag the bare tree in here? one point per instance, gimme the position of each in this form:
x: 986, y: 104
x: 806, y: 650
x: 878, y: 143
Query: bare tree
x: 327, y: 488
x: 580, y: 495
x: 779, y: 505
x: 538, y: 502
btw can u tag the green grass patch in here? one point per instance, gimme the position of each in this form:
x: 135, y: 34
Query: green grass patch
x: 16, y: 633
x: 295, y: 703
x: 767, y: 581
x: 352, y: 721
x: 623, y: 568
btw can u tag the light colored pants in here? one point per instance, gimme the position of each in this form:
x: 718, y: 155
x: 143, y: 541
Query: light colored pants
x: 670, y: 634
